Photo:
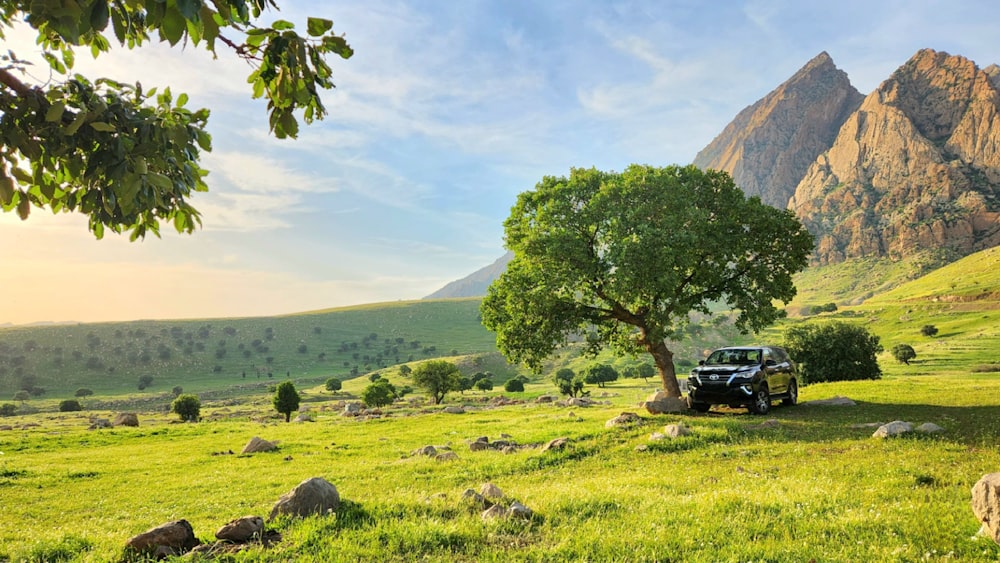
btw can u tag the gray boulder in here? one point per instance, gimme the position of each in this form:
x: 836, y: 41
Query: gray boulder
x: 256, y: 445
x: 676, y: 430
x: 624, y: 419
x: 312, y: 496
x: 929, y: 428
x: 894, y: 428
x: 126, y: 419
x: 986, y: 504
x: 555, y: 444
x: 837, y: 401
x: 661, y: 403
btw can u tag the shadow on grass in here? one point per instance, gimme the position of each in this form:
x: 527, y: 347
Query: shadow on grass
x: 974, y: 426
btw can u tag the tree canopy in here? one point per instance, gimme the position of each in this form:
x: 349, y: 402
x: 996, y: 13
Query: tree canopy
x: 627, y: 257
x: 437, y: 377
x: 125, y: 156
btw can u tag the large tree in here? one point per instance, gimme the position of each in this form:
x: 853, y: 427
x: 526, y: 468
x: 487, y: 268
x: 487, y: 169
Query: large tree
x: 626, y: 257
x: 124, y: 156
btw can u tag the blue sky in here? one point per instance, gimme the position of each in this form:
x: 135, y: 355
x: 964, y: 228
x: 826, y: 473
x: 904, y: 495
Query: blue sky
x: 446, y: 112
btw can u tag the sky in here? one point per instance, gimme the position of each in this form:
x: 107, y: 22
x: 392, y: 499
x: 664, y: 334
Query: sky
x: 446, y: 111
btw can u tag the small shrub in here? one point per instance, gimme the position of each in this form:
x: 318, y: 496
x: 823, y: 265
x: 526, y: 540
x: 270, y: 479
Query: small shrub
x: 188, y: 407
x: 70, y: 405
x: 834, y: 352
x: 83, y: 392
x: 333, y: 384
x: 484, y: 384
x: 177, y: 390
x: 514, y: 386
x: 8, y: 409
x: 378, y: 394
x: 986, y: 368
x: 928, y: 330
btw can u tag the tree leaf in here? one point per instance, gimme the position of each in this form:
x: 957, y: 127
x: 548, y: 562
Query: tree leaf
x: 55, y: 112
x: 6, y: 188
x: 318, y: 26
x: 23, y: 207
x: 103, y: 127
x: 282, y: 25
x: 174, y: 25
x: 189, y: 9
x: 99, y: 15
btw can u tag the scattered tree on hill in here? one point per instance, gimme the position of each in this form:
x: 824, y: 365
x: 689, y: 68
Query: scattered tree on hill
x: 176, y: 391
x: 405, y: 370
x: 833, y: 352
x: 929, y: 330
x: 828, y: 308
x: 145, y: 381
x: 568, y: 382
x: 599, y: 374
x: 630, y: 255
x: 378, y: 394
x: 127, y: 157
x: 70, y: 405
x: 903, y: 353
x: 484, y: 384
x: 286, y: 399
x: 334, y: 384
x: 187, y: 406
x: 464, y: 384
x: 22, y: 396
x: 437, y: 378
x: 374, y: 377
x: 83, y: 392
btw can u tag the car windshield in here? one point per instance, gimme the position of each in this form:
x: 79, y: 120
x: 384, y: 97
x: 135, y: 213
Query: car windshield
x: 734, y: 356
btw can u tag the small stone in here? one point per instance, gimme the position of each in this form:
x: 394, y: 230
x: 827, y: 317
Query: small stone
x: 986, y: 504
x: 676, y: 430
x: 178, y: 536
x: 494, y: 512
x: 478, y: 446
x: 312, y: 496
x: 555, y: 444
x: 489, y: 490
x: 242, y: 529
x: 518, y: 510
x: 429, y: 451
x: 446, y: 456
x: 126, y: 419
x: 454, y: 409
x: 656, y: 436
x: 929, y: 428
x: 624, y: 419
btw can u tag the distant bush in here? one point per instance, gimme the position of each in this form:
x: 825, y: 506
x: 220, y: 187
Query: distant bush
x: 333, y: 384
x: 986, y: 368
x: 599, y: 374
x: 70, y: 405
x: 514, y: 386
x: 188, y: 407
x: 568, y: 382
x: 817, y: 309
x: 8, y: 409
x: 928, y: 330
x: 484, y: 385
x: 834, y: 352
x: 177, y: 390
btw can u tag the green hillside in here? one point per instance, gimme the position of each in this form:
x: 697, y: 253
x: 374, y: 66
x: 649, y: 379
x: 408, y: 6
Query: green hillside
x: 211, y: 353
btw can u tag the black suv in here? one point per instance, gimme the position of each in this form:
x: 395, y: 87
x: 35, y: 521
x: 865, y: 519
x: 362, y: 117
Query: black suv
x: 747, y: 376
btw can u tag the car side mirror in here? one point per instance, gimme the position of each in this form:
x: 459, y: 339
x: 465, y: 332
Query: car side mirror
x: 701, y: 362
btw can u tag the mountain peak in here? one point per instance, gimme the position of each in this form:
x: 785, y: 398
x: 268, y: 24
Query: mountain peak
x: 769, y: 145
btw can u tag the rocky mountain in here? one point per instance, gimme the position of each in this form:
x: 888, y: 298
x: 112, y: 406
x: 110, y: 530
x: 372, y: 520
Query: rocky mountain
x: 769, y: 146
x: 916, y: 168
x: 475, y: 284
x: 913, y: 167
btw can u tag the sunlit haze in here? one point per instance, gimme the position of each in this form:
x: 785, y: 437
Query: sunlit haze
x: 445, y: 113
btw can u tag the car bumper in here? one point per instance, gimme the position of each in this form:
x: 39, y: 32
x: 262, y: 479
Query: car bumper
x: 724, y: 394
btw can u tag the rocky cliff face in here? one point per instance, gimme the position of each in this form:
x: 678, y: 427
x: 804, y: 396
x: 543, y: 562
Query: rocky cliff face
x: 769, y: 146
x: 915, y: 168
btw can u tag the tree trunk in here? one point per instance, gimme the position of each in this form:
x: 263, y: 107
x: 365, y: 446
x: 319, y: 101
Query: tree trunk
x: 664, y: 359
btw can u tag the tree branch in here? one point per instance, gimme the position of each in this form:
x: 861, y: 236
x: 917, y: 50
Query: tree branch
x: 12, y: 82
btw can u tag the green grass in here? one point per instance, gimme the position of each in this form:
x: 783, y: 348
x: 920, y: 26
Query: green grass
x: 812, y: 488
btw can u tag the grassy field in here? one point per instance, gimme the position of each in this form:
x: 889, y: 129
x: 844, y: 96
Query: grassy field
x: 814, y: 487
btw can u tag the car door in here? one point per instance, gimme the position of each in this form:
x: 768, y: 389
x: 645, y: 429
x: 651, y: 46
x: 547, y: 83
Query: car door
x: 777, y: 379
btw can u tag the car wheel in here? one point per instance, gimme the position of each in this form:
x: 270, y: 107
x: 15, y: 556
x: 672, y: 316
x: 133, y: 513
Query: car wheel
x: 701, y: 407
x: 793, y: 394
x: 761, y: 400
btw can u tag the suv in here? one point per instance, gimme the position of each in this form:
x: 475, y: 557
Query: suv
x: 747, y: 376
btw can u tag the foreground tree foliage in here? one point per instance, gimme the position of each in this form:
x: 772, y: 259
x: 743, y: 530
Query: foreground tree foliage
x: 437, y: 377
x: 128, y: 157
x: 626, y: 257
x: 834, y: 352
